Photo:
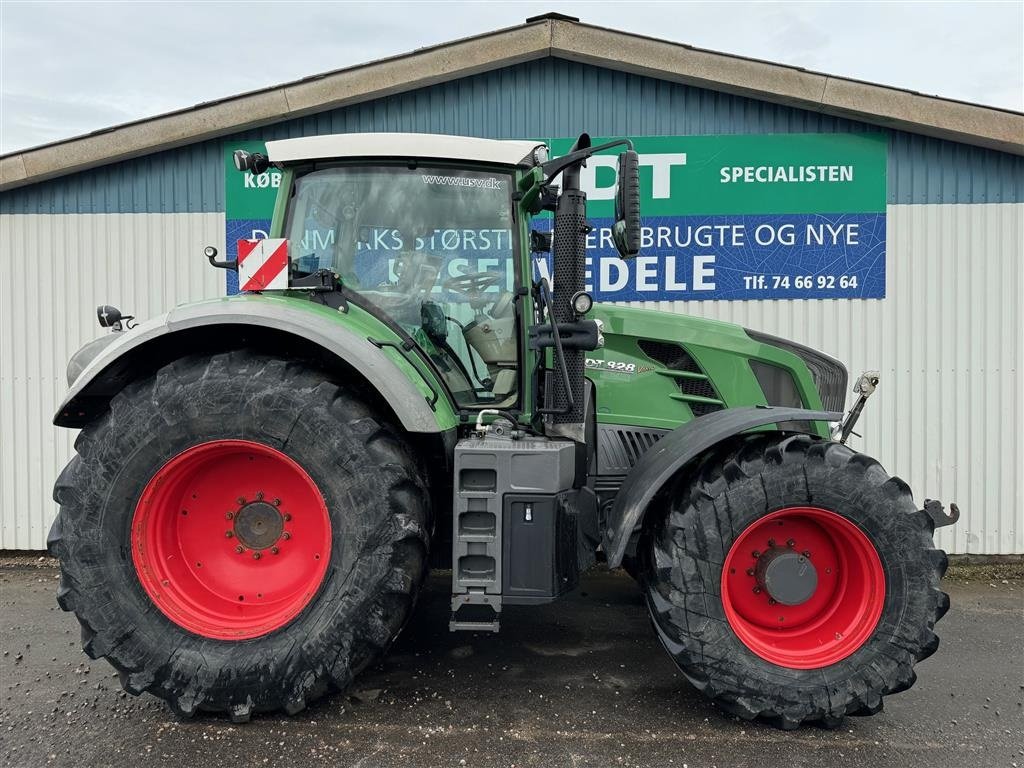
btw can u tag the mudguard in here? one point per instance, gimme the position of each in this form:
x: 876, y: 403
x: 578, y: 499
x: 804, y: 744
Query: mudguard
x: 673, y: 452
x: 102, y: 368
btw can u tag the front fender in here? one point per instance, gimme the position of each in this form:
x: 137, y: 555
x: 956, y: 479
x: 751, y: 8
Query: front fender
x: 153, y: 343
x: 673, y: 452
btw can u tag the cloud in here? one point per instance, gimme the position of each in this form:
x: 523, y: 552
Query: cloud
x: 68, y: 68
x: 47, y: 118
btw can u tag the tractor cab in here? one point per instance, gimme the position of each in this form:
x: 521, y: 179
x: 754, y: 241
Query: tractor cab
x: 430, y: 234
x: 433, y: 248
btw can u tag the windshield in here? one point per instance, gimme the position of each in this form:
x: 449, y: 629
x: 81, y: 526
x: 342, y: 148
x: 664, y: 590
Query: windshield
x: 431, y: 247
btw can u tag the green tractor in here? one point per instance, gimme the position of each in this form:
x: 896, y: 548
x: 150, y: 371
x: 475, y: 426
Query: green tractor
x: 263, y: 481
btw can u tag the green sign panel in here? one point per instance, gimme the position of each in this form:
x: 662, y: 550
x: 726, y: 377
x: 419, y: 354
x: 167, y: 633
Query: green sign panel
x: 775, y: 173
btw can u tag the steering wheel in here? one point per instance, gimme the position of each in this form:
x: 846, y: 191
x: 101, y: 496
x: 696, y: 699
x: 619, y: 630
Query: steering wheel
x: 474, y: 283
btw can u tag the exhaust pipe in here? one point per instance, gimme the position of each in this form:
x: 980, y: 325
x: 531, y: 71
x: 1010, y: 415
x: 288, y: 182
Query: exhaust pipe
x: 569, y: 249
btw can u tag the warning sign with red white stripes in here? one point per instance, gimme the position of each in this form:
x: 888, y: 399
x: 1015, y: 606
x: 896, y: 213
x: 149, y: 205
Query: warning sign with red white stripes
x: 263, y: 265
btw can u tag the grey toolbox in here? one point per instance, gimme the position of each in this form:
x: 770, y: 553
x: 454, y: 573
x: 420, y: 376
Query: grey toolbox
x: 513, y: 535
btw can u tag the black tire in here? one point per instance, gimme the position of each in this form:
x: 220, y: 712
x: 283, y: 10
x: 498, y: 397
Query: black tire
x: 685, y: 545
x: 376, y: 502
x: 632, y: 566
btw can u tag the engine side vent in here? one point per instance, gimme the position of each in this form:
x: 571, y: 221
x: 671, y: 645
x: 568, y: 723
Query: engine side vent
x: 619, y: 448
x: 695, y: 389
x: 670, y: 355
x: 830, y: 376
x: 698, y: 387
x: 699, y: 409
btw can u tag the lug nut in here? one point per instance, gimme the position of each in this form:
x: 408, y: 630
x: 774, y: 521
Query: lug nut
x: 756, y: 553
x: 286, y: 535
x: 274, y: 550
x: 806, y: 553
x: 791, y: 543
x: 240, y: 500
x: 259, y: 495
x: 277, y: 502
x: 750, y: 571
x: 771, y: 601
x: 771, y: 543
x: 230, y: 515
x: 757, y: 590
x: 256, y: 555
x: 239, y: 549
x: 229, y: 534
x: 287, y: 517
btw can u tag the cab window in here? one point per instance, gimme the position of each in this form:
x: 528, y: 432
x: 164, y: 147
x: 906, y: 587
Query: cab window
x: 430, y: 247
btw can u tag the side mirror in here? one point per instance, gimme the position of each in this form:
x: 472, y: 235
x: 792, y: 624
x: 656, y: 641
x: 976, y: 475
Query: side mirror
x: 626, y: 230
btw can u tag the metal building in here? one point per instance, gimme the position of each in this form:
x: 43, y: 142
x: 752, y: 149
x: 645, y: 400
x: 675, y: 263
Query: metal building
x: 121, y: 217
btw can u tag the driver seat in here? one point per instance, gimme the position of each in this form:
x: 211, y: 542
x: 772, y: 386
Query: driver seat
x: 417, y: 273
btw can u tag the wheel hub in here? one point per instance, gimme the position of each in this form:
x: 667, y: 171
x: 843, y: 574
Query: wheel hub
x: 803, y: 587
x: 231, y: 539
x: 258, y: 525
x: 787, y: 576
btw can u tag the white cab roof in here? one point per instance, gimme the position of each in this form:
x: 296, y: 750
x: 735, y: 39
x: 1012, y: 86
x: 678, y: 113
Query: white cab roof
x: 412, y: 145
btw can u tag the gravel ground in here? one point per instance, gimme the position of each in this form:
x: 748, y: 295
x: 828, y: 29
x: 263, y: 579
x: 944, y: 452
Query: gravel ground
x: 582, y: 682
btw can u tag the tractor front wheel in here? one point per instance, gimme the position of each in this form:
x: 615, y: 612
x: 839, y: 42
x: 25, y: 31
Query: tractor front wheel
x: 238, y: 534
x: 792, y: 579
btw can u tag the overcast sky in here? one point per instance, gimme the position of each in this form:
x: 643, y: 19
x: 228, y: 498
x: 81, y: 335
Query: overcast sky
x: 69, y: 68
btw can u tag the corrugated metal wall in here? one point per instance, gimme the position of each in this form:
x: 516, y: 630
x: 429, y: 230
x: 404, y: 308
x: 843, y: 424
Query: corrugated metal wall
x: 948, y: 338
x: 143, y: 263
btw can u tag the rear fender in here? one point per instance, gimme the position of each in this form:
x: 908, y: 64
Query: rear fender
x: 102, y: 369
x: 672, y: 454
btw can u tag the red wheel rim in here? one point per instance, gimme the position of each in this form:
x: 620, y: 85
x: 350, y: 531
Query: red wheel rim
x: 843, y: 607
x: 231, y: 539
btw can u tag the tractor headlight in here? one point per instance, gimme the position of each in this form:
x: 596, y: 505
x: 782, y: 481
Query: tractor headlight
x: 107, y: 316
x: 582, y: 302
x: 253, y: 162
x: 241, y: 159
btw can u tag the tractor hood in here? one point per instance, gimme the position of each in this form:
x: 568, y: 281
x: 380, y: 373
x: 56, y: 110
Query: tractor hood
x: 661, y: 369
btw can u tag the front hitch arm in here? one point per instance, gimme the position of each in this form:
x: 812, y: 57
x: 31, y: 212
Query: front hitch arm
x: 864, y: 388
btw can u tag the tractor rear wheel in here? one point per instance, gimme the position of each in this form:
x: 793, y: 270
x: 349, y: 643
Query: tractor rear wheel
x: 238, y: 534
x: 793, y: 579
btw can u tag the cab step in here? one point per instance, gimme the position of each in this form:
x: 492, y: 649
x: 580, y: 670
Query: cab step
x: 462, y: 625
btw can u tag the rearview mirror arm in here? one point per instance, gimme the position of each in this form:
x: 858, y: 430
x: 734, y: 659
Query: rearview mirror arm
x: 554, y: 167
